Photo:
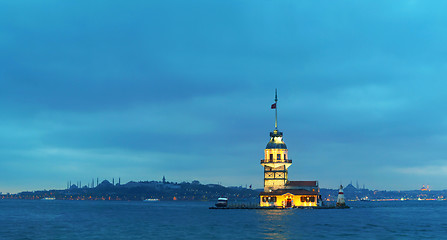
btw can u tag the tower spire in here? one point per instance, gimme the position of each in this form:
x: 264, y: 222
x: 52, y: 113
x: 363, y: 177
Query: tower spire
x: 276, y: 109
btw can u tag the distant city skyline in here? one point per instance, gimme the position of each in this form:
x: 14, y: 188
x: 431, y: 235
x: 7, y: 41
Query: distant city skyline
x: 183, y: 89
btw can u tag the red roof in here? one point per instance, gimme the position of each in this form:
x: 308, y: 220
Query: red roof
x: 291, y: 191
x: 302, y: 183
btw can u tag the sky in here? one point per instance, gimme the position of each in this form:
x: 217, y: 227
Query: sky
x: 139, y: 90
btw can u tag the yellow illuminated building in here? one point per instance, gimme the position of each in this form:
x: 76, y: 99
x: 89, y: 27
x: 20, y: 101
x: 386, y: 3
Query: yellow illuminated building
x: 278, y: 190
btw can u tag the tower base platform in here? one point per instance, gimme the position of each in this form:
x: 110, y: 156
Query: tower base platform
x: 280, y: 208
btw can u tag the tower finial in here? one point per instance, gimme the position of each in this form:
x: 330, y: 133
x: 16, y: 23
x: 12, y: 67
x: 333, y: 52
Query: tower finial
x: 276, y: 109
x: 276, y: 112
x: 276, y: 95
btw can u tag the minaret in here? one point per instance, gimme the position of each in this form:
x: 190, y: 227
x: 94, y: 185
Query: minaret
x: 276, y: 159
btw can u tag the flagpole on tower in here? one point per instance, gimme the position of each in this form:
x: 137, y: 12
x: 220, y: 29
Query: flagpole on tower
x: 276, y: 110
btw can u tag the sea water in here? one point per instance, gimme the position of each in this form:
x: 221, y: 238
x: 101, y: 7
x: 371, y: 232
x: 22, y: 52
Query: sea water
x: 34, y: 219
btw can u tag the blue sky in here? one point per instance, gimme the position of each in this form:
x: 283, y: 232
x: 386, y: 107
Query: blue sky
x: 143, y: 89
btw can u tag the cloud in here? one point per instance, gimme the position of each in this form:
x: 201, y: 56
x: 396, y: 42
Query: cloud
x: 427, y: 170
x: 361, y: 86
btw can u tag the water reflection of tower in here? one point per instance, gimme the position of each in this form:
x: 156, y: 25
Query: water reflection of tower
x: 276, y: 224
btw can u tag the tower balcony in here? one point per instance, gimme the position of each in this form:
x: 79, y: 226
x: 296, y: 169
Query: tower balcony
x: 276, y: 163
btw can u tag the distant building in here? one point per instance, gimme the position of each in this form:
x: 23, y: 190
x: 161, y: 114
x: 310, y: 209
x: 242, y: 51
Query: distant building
x: 278, y: 190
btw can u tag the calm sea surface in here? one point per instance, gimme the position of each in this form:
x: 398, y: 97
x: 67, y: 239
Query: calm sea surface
x: 23, y: 219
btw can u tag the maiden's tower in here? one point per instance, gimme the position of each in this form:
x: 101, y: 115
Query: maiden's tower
x: 278, y: 190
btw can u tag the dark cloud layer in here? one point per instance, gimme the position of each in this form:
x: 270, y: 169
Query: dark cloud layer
x: 143, y: 89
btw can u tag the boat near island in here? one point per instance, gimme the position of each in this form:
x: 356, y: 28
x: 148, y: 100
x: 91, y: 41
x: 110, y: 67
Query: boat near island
x: 222, y: 202
x: 48, y: 198
x: 151, y: 200
x: 365, y: 199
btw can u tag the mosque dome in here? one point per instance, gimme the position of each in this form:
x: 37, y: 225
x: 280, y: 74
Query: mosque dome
x: 276, y: 141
